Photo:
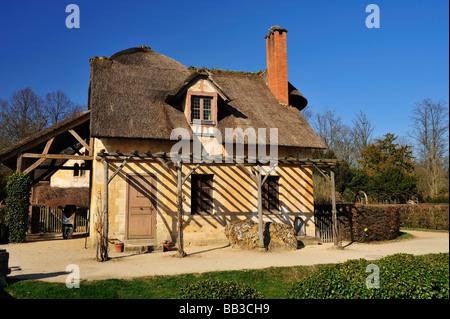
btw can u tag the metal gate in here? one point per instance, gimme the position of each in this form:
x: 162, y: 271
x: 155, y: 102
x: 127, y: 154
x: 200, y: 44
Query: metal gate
x: 323, y: 221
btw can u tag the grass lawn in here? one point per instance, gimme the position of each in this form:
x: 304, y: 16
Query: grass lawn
x: 271, y: 282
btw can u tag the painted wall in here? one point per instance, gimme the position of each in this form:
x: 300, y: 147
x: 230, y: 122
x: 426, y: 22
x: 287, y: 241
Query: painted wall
x: 234, y: 194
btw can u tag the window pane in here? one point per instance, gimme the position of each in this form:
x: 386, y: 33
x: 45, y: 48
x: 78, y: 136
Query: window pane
x: 206, y: 109
x: 195, y: 108
x: 206, y: 115
x: 207, y: 104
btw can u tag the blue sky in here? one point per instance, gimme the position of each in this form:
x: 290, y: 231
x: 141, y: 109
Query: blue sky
x: 333, y: 58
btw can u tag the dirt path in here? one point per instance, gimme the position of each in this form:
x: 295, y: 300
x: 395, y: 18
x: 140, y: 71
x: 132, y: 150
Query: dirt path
x: 47, y: 260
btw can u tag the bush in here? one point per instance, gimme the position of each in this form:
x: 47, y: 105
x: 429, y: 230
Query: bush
x: 437, y: 199
x: 365, y: 223
x: 429, y: 216
x: 17, y: 206
x: 216, y: 289
x: 401, y: 276
x: 375, y: 222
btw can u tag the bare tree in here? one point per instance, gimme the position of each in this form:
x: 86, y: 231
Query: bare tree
x: 430, y: 129
x: 335, y: 134
x: 327, y: 126
x: 307, y: 113
x: 22, y: 116
x: 58, y: 106
x: 362, y: 131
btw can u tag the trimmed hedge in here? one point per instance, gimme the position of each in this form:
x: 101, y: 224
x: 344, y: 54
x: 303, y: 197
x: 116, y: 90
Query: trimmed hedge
x: 430, y: 216
x: 365, y: 223
x: 217, y: 289
x: 375, y: 222
x: 401, y: 276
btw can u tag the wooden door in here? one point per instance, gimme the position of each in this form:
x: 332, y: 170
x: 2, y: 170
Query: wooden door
x: 141, y: 215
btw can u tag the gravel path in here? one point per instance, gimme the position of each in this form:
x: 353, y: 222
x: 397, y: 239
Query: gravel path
x: 47, y: 260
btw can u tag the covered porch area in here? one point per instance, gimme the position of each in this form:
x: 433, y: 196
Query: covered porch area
x: 180, y: 169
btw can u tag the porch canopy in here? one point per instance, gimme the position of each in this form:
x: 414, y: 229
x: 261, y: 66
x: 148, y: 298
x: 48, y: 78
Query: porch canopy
x: 42, y: 154
x: 174, y: 162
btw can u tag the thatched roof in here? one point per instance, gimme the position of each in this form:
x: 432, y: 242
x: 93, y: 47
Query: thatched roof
x: 131, y: 97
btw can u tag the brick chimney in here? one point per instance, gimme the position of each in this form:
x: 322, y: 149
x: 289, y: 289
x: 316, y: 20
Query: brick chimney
x: 277, y: 75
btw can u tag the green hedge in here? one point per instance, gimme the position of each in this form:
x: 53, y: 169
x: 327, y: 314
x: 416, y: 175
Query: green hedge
x: 217, y: 289
x: 18, y: 191
x: 401, y: 276
x: 430, y: 216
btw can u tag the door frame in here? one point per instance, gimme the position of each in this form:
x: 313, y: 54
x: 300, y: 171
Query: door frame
x: 127, y: 213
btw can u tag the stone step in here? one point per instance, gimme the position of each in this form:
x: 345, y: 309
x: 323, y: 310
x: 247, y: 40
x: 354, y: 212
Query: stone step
x: 143, y: 248
x: 307, y: 241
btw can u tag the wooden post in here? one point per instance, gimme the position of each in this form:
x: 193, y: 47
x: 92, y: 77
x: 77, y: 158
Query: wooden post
x: 180, y: 209
x: 333, y: 210
x: 104, y: 241
x: 260, y: 218
x: 19, y: 163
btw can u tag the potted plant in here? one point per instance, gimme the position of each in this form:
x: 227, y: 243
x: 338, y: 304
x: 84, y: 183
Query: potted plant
x: 119, y: 246
x: 167, y: 244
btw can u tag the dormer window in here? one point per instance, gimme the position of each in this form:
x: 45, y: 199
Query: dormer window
x: 201, y: 109
x: 199, y: 98
x: 201, y: 104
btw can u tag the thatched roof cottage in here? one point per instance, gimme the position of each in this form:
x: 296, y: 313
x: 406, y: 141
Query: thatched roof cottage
x: 140, y: 104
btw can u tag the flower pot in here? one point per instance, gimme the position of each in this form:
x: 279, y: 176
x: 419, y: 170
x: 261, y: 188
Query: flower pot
x: 119, y: 247
x: 167, y: 247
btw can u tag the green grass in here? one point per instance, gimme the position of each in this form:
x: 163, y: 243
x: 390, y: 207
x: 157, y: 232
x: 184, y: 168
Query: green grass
x: 273, y: 283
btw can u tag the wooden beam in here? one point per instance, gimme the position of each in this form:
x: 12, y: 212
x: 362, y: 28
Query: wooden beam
x: 104, y: 241
x: 260, y: 218
x: 19, y: 163
x: 91, y: 146
x: 180, y: 243
x: 249, y: 173
x: 189, y: 174
x: 58, y: 156
x: 34, y: 165
x: 268, y: 173
x: 328, y: 178
x: 66, y: 168
x: 118, y: 170
x: 334, y: 211
x: 79, y: 139
x: 164, y: 163
x: 47, y: 146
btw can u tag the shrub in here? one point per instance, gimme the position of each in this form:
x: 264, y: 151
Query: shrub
x: 437, y: 199
x: 365, y: 223
x: 375, y: 222
x: 216, y: 289
x: 17, y: 204
x: 431, y: 216
x: 401, y: 276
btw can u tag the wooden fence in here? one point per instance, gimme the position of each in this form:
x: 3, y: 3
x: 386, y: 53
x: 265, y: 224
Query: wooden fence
x: 49, y: 220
